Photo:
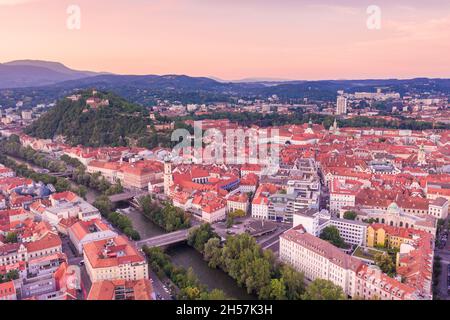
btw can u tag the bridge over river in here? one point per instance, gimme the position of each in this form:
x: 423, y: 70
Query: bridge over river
x: 165, y: 239
x: 128, y: 195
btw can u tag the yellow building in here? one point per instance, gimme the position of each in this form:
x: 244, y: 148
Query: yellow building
x: 376, y: 235
x: 387, y: 236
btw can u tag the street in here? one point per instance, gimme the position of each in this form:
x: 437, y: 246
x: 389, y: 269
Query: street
x: 272, y: 241
x: 443, y: 279
x: 443, y: 251
x: 74, y: 260
x: 160, y: 290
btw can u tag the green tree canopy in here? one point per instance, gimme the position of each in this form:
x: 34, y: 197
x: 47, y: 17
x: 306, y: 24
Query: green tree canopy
x: 294, y: 282
x: 385, y: 262
x: 213, y: 253
x: 321, y: 289
x: 350, y: 215
x: 331, y: 234
x: 11, y: 237
x: 200, y: 236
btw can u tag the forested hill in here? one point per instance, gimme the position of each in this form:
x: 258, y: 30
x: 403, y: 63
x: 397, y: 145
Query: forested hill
x: 119, y: 123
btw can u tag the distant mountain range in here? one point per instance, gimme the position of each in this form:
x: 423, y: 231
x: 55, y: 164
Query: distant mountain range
x: 34, y: 81
x: 37, y: 73
x: 34, y: 73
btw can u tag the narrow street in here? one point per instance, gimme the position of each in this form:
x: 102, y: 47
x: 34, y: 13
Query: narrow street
x: 443, y: 279
x: 159, y: 288
x: 74, y: 260
x: 443, y: 251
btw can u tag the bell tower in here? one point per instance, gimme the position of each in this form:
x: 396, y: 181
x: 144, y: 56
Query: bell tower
x: 421, y: 156
x: 168, y: 178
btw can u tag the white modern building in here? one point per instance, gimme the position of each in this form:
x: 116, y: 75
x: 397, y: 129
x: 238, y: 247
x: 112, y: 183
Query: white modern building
x: 318, y: 259
x: 341, y: 105
x: 314, y: 221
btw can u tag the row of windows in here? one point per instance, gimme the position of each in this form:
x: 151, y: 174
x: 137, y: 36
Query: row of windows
x: 311, y: 263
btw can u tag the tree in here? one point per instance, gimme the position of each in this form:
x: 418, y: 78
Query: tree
x: 114, y: 189
x: 385, y: 262
x: 103, y: 185
x: 11, y: 237
x: 277, y: 289
x: 215, y: 294
x: 82, y: 191
x: 119, y: 123
x: 9, y: 276
x: 12, y: 275
x: 259, y: 276
x: 133, y: 234
x: 14, y: 138
x: 190, y: 293
x: 237, y: 214
x: 230, y: 222
x: 294, y: 282
x: 321, y: 289
x: 123, y: 223
x: 244, y: 260
x: 213, y: 253
x: 169, y: 217
x: 104, y: 205
x: 331, y: 234
x: 200, y: 236
x: 62, y: 184
x: 174, y: 218
x: 370, y: 221
x: 350, y: 215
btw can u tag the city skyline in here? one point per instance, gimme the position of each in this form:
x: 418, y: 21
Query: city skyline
x: 244, y: 151
x: 302, y: 40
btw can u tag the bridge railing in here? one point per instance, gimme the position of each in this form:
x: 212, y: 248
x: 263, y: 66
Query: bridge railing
x: 165, y: 239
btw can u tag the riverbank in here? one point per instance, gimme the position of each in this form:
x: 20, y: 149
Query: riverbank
x: 185, y: 256
x: 182, y: 255
x: 91, y: 194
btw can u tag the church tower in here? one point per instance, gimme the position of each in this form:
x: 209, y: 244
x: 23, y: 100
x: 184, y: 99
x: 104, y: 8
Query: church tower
x: 334, y: 129
x: 310, y: 130
x: 421, y: 156
x: 168, y: 178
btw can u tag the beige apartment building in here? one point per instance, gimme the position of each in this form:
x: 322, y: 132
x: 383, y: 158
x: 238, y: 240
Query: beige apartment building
x: 318, y: 259
x: 114, y: 259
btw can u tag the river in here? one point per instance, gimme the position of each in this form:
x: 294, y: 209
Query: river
x: 186, y: 256
x: 91, y: 194
x: 181, y: 254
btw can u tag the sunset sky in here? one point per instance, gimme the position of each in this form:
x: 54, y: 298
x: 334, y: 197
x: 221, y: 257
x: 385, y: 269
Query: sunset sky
x: 234, y: 39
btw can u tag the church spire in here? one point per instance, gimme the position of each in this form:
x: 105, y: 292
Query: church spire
x: 421, y: 156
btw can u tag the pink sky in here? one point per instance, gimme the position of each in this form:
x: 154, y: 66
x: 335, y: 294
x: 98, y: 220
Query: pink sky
x: 233, y: 39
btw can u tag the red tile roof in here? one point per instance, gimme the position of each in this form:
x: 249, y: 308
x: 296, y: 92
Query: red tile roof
x: 94, y: 252
x: 7, y: 289
x: 50, y: 241
x: 109, y: 290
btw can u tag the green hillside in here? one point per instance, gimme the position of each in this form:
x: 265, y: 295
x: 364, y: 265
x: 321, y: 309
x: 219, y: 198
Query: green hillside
x: 118, y: 124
